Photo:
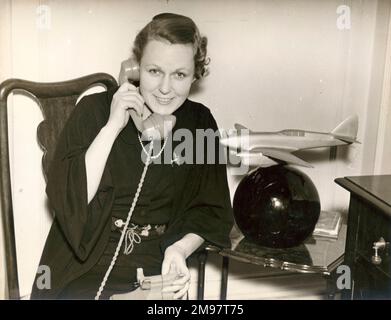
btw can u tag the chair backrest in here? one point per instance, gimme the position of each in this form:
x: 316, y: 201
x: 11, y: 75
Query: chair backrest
x: 56, y: 100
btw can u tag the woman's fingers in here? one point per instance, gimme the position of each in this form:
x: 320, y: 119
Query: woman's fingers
x: 127, y: 86
x: 131, y: 102
x: 182, y: 280
x: 175, y: 261
x: 127, y: 97
x: 166, y: 266
x: 172, y: 288
x: 181, y: 294
x: 129, y: 92
x: 134, y: 95
x: 179, y: 287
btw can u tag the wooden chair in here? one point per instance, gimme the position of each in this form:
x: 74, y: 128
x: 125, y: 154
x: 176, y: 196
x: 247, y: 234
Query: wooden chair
x: 56, y: 100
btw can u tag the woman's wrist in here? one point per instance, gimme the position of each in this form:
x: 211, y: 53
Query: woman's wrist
x: 188, y: 244
x: 110, y: 131
x: 178, y: 248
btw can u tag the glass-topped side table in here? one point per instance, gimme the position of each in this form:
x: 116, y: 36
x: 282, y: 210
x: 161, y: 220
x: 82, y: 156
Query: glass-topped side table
x: 316, y: 255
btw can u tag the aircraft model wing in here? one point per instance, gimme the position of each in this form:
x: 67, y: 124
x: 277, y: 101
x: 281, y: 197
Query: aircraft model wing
x: 280, y: 155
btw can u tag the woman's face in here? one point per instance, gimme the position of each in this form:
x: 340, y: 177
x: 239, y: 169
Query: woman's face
x: 166, y: 75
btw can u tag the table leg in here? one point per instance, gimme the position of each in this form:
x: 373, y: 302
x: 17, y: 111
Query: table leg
x: 202, y: 256
x: 330, y: 286
x: 224, y: 278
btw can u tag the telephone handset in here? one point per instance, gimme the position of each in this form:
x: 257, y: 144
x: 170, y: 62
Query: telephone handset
x: 156, y: 126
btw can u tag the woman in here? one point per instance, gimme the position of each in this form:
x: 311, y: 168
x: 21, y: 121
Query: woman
x: 97, y: 167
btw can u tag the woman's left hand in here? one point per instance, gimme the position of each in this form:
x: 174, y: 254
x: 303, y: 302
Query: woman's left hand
x: 175, y: 261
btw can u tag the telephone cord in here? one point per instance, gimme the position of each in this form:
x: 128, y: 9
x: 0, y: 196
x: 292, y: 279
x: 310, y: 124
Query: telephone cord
x: 103, y: 283
x: 145, y: 151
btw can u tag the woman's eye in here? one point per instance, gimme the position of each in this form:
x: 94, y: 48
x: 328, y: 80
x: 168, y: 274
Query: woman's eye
x: 180, y: 75
x: 154, y: 71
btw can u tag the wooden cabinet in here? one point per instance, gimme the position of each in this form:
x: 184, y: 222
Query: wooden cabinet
x: 369, y: 223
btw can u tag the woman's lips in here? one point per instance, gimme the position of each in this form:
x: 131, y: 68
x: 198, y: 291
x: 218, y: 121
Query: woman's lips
x: 163, y: 101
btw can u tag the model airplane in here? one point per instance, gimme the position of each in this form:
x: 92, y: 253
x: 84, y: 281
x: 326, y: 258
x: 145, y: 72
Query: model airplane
x: 279, y: 146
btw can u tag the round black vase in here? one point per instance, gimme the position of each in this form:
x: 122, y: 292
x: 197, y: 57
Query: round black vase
x: 276, y: 206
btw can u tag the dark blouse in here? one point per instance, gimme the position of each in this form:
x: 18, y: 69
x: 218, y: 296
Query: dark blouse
x: 155, y: 201
x: 190, y: 198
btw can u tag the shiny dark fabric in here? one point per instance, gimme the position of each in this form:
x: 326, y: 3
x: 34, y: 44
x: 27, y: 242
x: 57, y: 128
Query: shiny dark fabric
x: 123, y: 277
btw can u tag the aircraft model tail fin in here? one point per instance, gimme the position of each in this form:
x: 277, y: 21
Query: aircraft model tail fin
x: 347, y: 130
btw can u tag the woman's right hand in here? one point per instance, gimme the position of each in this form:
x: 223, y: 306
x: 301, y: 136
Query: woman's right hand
x: 127, y: 97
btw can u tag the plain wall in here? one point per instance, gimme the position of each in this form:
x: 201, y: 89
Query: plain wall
x: 274, y: 65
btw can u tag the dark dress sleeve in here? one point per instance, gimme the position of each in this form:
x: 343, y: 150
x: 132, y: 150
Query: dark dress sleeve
x: 80, y: 222
x: 208, y: 211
